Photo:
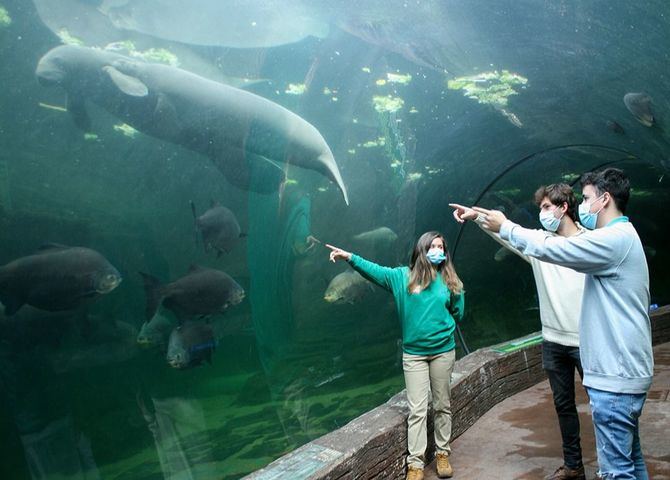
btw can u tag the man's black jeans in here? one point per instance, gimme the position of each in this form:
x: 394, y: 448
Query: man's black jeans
x: 559, y: 362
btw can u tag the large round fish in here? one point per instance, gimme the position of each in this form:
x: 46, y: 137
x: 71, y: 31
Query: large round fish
x: 382, y: 237
x: 190, y: 344
x: 347, y: 287
x: 202, y: 291
x: 56, y: 278
x: 242, y: 133
x: 639, y: 104
x: 219, y: 228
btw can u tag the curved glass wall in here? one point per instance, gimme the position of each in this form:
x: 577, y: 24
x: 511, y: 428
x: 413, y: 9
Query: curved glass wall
x: 421, y: 103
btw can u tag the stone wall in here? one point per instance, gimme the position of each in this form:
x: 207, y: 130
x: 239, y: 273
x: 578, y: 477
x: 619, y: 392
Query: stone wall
x: 373, y: 446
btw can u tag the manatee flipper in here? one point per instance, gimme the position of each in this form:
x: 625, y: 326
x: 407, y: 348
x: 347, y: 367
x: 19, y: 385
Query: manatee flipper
x: 249, y: 171
x: 127, y: 84
x: 77, y: 108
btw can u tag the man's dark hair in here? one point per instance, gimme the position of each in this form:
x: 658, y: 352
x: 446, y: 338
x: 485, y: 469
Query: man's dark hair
x: 558, y: 193
x: 612, y: 181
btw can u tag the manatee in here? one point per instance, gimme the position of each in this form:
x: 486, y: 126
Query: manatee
x: 243, y: 134
x: 190, y: 344
x: 56, y: 278
x: 82, y: 21
x: 202, y: 291
x: 219, y: 228
x: 639, y: 104
x: 237, y: 24
x: 347, y: 287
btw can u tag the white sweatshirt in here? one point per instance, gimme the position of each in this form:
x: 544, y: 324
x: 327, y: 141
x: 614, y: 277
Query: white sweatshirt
x: 614, y: 327
x: 559, y: 293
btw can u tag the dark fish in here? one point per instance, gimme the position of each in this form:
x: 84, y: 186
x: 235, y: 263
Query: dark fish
x: 190, y: 345
x: 155, y: 332
x: 615, y: 127
x: 202, y: 291
x: 347, y: 287
x: 56, y: 278
x: 639, y: 104
x: 383, y: 237
x: 219, y: 228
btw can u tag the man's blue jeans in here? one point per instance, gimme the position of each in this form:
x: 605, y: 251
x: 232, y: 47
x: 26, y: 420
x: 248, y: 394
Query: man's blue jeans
x: 616, y: 422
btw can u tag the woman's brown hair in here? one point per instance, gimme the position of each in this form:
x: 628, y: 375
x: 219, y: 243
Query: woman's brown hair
x: 422, y: 272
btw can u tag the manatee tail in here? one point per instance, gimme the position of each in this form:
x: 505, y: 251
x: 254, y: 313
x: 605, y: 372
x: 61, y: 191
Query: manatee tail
x: 329, y: 168
x: 154, y: 293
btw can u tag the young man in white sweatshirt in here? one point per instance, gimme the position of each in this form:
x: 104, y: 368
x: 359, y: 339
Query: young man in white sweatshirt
x: 614, y: 329
x: 559, y: 291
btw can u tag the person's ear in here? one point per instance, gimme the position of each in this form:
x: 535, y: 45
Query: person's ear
x: 606, y: 199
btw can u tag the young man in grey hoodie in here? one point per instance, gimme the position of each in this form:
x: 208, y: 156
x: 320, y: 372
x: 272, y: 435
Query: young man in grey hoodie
x: 614, y: 327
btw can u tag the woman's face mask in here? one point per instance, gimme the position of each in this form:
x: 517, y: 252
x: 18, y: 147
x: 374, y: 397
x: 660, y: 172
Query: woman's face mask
x: 586, y: 218
x: 436, y: 256
x: 549, y: 221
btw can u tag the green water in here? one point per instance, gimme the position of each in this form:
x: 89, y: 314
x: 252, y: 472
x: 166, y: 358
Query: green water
x: 421, y: 103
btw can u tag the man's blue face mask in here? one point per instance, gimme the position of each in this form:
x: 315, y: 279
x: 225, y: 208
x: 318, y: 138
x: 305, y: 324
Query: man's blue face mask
x: 586, y: 218
x: 436, y: 256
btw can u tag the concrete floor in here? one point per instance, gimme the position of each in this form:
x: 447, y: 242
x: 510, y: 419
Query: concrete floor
x: 519, y: 438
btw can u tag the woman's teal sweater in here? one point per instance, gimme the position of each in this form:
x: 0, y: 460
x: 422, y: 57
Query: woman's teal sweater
x: 428, y: 318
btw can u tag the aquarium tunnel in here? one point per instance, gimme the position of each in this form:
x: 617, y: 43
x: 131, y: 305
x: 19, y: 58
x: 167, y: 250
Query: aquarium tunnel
x: 153, y: 150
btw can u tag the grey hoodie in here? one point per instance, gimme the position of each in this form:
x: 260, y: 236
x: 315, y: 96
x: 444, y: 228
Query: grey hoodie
x: 614, y: 326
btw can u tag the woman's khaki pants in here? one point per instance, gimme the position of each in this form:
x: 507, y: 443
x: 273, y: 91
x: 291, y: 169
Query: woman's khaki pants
x: 425, y: 374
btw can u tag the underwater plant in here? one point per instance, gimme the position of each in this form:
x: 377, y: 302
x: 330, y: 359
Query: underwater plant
x: 158, y: 55
x: 68, y: 39
x: 296, y: 89
x: 5, y: 19
x: 400, y: 78
x: 387, y: 103
x: 126, y: 130
x: 491, y: 88
x: 154, y: 55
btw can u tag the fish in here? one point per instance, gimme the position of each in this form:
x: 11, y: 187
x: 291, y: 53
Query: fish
x: 190, y: 344
x: 56, y: 278
x: 639, y: 104
x: 614, y: 126
x: 201, y: 292
x: 219, y: 228
x: 347, y: 287
x: 382, y: 236
x: 155, y: 331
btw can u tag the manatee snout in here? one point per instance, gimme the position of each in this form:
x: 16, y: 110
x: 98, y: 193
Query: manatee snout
x: 48, y: 72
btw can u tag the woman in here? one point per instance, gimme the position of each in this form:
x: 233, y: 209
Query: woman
x: 429, y: 300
